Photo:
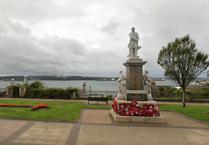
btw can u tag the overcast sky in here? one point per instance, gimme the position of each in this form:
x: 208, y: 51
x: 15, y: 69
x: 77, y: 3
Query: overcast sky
x: 90, y: 37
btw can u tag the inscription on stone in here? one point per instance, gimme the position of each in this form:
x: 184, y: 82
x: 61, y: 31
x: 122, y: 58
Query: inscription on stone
x: 137, y: 97
x: 132, y: 78
x: 139, y: 79
x: 127, y: 77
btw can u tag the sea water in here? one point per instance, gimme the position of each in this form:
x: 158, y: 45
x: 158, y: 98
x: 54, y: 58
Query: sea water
x: 95, y: 85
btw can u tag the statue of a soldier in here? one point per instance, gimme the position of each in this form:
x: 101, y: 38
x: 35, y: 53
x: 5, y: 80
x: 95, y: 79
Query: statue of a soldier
x: 133, y: 44
x: 147, y: 80
x: 120, y: 94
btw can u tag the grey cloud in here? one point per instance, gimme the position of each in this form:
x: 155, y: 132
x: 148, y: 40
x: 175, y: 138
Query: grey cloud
x: 111, y: 27
x: 156, y: 22
x: 34, y: 11
x: 26, y: 54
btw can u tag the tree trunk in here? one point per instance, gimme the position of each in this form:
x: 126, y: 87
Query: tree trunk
x: 184, y: 105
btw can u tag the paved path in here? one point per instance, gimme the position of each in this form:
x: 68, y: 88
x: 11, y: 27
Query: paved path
x: 96, y: 127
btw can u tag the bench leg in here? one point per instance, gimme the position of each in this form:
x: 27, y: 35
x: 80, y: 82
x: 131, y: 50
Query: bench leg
x: 106, y: 102
x: 88, y: 101
x: 97, y: 101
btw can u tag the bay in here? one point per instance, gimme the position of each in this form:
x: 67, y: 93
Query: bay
x: 95, y: 85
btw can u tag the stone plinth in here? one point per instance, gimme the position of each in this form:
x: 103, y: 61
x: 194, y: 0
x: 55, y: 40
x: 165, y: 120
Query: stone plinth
x: 134, y: 74
x: 138, y: 95
x: 139, y: 119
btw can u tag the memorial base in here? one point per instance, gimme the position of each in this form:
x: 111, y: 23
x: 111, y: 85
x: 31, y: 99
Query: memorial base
x: 138, y: 119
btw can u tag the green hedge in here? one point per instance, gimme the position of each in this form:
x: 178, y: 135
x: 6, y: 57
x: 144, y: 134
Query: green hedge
x: 169, y: 92
x: 38, y: 90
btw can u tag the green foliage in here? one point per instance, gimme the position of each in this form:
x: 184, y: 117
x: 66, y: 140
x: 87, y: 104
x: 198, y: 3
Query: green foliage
x: 71, y: 89
x: 181, y: 61
x: 109, y: 97
x: 51, y: 93
x: 38, y: 90
x: 169, y: 92
x: 199, y: 93
x: 171, y: 99
x: 35, y: 85
x: 161, y: 90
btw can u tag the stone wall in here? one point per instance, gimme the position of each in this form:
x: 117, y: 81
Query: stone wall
x: 22, y: 91
x: 9, y: 94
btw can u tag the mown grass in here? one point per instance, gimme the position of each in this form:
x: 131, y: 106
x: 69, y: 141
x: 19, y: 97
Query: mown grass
x: 195, y: 111
x: 59, y: 110
x: 68, y: 111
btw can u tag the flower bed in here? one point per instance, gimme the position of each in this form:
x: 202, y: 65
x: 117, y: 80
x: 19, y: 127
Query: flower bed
x: 34, y: 107
x: 132, y: 109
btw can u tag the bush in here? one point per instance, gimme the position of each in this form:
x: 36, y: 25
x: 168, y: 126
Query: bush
x: 168, y: 91
x: 199, y: 93
x: 109, y: 97
x: 35, y: 85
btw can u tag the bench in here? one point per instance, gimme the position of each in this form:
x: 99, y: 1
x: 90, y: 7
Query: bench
x: 98, y: 99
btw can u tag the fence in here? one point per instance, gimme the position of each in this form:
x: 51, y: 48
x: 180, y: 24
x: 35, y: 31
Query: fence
x: 101, y: 93
x: 2, y: 89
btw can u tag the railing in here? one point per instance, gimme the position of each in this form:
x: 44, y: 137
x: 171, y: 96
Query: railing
x: 2, y: 89
x: 101, y: 92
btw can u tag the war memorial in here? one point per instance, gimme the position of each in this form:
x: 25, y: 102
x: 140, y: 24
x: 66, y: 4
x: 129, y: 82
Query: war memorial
x: 134, y: 102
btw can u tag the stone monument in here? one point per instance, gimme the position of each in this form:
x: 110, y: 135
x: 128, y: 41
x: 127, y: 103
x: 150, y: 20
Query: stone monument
x: 137, y: 85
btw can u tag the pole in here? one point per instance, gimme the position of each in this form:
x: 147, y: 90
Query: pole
x: 90, y: 90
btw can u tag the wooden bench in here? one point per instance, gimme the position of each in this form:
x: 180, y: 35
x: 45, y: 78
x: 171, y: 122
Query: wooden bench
x: 98, y: 99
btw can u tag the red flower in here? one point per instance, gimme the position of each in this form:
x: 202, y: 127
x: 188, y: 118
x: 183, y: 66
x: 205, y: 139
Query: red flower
x: 122, y: 105
x: 155, y: 112
x: 121, y: 111
x: 140, y: 112
x: 150, y: 106
x: 128, y: 113
x: 134, y: 102
x: 42, y: 105
x: 115, y: 110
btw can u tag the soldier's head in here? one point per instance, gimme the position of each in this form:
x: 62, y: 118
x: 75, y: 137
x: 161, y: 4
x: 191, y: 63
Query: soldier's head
x: 120, y: 72
x: 146, y: 71
x: 133, y: 29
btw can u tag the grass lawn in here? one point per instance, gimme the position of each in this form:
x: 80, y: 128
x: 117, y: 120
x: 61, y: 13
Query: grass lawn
x: 68, y: 111
x: 65, y: 111
x: 195, y: 111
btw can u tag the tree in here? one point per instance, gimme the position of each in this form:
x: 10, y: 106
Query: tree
x: 182, y: 62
